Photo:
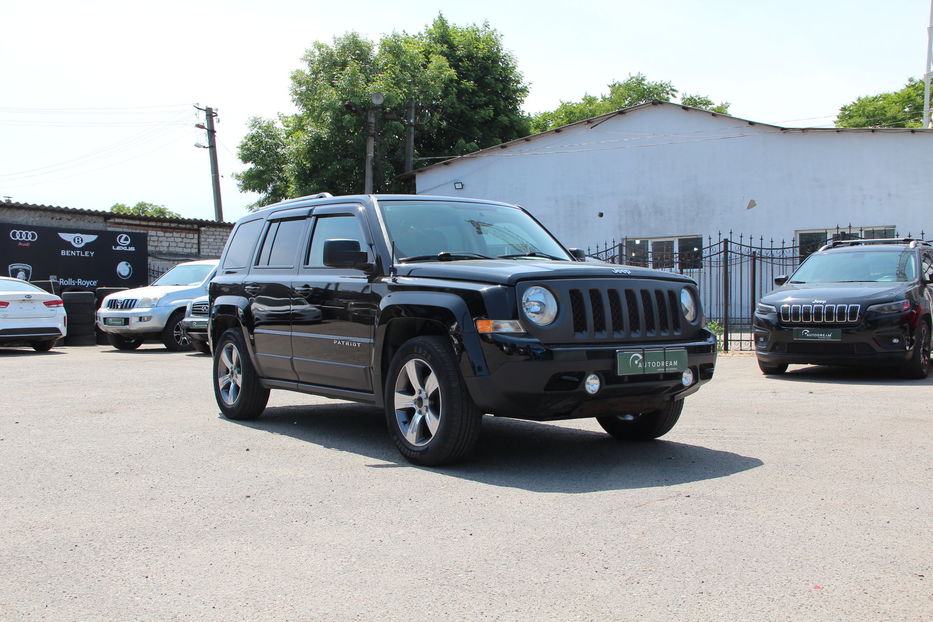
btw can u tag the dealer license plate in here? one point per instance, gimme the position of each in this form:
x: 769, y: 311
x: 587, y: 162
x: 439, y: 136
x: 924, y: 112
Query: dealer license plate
x: 115, y: 321
x: 817, y: 334
x: 632, y: 362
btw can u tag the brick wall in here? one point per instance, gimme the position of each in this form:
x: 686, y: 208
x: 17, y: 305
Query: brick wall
x: 170, y: 240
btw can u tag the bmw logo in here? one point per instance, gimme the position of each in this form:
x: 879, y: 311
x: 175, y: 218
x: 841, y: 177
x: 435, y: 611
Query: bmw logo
x: 124, y: 270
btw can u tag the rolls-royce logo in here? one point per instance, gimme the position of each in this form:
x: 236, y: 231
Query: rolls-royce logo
x: 621, y: 271
x: 77, y: 240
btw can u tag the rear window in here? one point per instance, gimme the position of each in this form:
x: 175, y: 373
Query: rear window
x: 15, y: 285
x: 241, y: 245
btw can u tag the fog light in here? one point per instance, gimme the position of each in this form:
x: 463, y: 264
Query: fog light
x: 592, y: 384
x: 895, y: 340
x: 686, y: 378
x: 144, y: 318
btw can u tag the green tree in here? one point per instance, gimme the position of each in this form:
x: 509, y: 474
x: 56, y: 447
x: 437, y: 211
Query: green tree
x: 635, y: 90
x: 144, y: 209
x: 466, y: 90
x: 903, y: 108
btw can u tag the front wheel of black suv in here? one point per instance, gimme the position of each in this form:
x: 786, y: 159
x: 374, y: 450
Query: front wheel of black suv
x: 239, y: 394
x: 430, y: 415
x: 919, y: 364
x: 775, y: 369
x: 644, y: 426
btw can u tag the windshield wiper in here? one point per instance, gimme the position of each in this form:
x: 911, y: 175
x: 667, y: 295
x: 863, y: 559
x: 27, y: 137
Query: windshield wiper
x: 446, y: 256
x: 530, y: 254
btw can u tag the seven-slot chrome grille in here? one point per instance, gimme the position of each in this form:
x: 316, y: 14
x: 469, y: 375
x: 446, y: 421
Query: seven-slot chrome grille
x: 820, y: 314
x: 121, y: 303
x: 200, y: 308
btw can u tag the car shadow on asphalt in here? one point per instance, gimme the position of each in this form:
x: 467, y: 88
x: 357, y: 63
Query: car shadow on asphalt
x: 850, y: 375
x: 537, y: 457
x: 29, y: 352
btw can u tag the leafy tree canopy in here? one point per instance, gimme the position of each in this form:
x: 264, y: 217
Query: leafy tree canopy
x: 635, y: 90
x: 903, y: 108
x: 465, y: 87
x: 144, y: 209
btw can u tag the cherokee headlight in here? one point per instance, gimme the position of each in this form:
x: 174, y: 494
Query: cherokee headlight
x: 688, y: 305
x: 765, y: 309
x: 145, y: 303
x: 891, y: 307
x: 539, y: 305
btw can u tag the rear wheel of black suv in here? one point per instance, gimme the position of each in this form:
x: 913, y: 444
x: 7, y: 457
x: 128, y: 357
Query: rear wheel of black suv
x: 429, y: 412
x: 236, y: 383
x: 645, y: 426
x: 919, y: 364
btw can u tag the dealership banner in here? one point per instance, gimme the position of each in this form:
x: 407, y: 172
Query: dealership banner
x: 78, y: 258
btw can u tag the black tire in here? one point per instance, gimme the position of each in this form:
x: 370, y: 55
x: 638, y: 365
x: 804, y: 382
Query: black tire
x: 918, y: 367
x: 201, y: 346
x: 173, y: 337
x: 237, y: 390
x: 425, y: 370
x: 43, y: 346
x: 772, y: 370
x: 644, y: 426
x: 123, y: 343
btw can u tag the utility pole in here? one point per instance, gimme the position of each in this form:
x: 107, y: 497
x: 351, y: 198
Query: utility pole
x: 410, y: 138
x: 376, y: 99
x: 209, y: 115
x: 926, y: 75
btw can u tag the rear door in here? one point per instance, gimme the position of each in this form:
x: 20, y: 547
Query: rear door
x: 332, y: 319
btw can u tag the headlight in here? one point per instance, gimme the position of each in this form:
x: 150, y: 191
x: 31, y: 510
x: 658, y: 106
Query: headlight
x: 145, y: 303
x: 764, y: 309
x: 688, y: 305
x: 539, y: 305
x: 891, y: 307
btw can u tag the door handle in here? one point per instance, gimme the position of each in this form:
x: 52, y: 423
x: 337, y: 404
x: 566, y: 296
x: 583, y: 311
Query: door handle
x: 304, y: 290
x: 252, y: 290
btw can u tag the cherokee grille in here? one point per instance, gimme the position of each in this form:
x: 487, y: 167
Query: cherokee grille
x: 624, y: 312
x: 121, y: 303
x: 201, y: 308
x: 820, y: 314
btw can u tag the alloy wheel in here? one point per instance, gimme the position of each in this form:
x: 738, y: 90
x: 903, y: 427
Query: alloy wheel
x: 418, y: 405
x: 229, y: 374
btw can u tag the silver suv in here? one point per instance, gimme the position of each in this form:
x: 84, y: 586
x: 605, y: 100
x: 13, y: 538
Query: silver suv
x: 155, y: 312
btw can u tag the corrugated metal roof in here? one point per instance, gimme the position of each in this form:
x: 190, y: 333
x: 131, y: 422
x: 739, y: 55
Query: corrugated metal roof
x: 594, y: 121
x: 107, y: 215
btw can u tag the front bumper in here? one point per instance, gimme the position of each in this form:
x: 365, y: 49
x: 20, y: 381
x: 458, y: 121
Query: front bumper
x: 529, y: 380
x: 195, y: 327
x: 876, y: 340
x: 133, y: 321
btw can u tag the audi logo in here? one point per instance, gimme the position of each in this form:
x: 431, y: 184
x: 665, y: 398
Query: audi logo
x: 23, y: 236
x: 123, y: 239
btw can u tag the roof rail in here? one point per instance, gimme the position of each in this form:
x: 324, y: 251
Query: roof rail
x: 319, y: 195
x: 912, y: 242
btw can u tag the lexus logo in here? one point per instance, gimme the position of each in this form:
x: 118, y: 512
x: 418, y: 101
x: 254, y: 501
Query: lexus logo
x: 23, y: 236
x: 123, y: 239
x: 77, y: 239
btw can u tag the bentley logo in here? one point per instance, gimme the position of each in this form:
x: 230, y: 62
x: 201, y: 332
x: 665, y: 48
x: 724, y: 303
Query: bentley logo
x: 77, y: 240
x: 621, y: 271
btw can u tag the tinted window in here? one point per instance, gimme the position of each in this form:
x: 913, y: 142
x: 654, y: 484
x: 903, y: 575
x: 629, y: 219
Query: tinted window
x: 240, y: 247
x: 281, y: 244
x: 333, y: 228
x: 18, y: 286
x: 690, y: 251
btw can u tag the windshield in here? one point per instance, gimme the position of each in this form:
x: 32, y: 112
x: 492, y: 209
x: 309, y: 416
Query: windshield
x: 857, y: 266
x: 426, y: 229
x: 185, y: 275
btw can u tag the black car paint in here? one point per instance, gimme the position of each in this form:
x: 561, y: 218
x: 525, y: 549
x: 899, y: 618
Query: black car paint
x: 345, y: 324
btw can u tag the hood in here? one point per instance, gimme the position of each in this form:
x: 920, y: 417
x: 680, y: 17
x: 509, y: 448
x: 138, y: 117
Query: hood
x: 510, y: 271
x: 160, y: 291
x: 835, y: 293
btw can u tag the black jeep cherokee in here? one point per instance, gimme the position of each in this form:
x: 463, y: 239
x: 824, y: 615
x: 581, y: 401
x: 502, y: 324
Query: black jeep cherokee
x: 440, y: 310
x: 851, y: 302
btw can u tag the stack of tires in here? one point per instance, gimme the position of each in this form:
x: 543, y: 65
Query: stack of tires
x: 80, y: 307
x: 99, y: 294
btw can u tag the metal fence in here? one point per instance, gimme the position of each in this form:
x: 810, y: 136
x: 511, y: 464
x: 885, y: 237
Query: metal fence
x: 732, y: 272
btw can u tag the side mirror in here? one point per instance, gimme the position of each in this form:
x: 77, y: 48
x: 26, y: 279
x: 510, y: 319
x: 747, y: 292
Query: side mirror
x: 345, y: 254
x: 780, y: 280
x: 578, y: 253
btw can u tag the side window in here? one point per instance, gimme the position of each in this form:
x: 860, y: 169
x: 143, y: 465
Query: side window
x: 280, y: 246
x: 333, y: 228
x: 240, y: 247
x: 926, y: 265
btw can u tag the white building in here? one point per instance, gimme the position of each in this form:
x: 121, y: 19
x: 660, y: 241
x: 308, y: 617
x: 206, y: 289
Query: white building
x: 662, y: 175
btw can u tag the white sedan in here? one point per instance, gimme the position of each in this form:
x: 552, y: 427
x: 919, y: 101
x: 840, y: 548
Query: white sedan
x: 30, y: 316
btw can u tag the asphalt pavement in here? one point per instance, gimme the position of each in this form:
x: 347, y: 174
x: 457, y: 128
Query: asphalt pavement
x: 126, y: 496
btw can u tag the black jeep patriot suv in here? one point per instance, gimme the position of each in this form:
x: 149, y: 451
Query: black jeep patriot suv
x: 851, y: 302
x: 440, y: 310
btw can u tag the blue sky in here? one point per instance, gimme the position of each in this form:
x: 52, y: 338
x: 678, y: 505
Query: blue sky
x: 97, y: 96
